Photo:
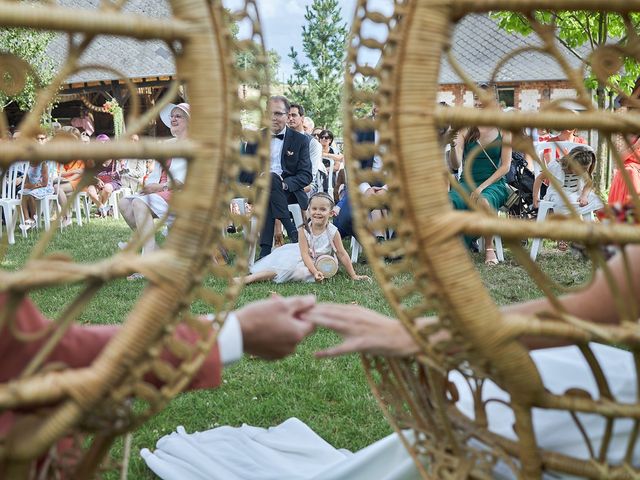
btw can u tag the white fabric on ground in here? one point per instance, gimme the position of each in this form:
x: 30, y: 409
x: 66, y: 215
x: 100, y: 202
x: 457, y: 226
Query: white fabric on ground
x: 293, y: 451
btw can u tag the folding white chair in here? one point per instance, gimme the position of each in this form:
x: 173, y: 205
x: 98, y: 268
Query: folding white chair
x: 296, y: 211
x: 44, y: 204
x: 115, y: 197
x: 10, y: 199
x: 356, y: 248
x: 330, y: 177
x: 543, y: 208
x: 81, y: 204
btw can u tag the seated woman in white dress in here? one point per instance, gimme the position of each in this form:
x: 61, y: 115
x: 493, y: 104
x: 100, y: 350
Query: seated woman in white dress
x: 293, y: 451
x: 153, y: 201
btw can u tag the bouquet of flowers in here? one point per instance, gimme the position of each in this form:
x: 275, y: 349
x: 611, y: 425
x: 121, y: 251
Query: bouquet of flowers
x: 114, y: 108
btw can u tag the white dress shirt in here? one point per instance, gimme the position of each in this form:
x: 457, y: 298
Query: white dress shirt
x: 276, y: 152
x: 315, y: 153
x: 229, y: 339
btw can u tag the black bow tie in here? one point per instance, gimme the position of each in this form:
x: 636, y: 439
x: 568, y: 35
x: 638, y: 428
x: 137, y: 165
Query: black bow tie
x: 279, y: 136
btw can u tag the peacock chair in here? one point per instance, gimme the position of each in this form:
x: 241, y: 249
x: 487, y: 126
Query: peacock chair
x: 97, y: 404
x: 409, y: 41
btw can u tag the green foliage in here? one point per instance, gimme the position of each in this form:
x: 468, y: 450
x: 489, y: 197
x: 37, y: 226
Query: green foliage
x: 362, y: 84
x: 249, y: 57
x: 247, y: 60
x: 318, y: 85
x: 582, y: 32
x: 30, y: 46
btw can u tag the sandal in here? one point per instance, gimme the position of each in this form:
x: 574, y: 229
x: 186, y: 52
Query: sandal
x: 135, y: 276
x: 490, y: 262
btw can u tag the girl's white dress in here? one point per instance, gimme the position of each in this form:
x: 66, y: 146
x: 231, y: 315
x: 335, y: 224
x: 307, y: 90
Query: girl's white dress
x: 287, y: 262
x: 293, y: 451
x: 572, y: 185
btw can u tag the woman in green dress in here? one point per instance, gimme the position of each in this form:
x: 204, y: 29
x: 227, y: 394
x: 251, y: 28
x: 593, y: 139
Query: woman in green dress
x: 486, y: 158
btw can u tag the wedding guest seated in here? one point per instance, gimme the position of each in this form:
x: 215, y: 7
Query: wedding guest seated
x: 290, y: 170
x: 619, y: 192
x: 344, y: 220
x: 70, y: 175
x: 133, y: 171
x: 107, y: 181
x: 490, y: 149
x: 36, y: 185
x: 152, y: 202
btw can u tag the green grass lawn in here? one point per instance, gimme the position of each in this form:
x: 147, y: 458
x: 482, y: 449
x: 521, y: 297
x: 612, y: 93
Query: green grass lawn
x: 331, y: 396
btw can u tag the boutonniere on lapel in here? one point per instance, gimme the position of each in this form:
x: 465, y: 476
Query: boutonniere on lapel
x: 289, y: 153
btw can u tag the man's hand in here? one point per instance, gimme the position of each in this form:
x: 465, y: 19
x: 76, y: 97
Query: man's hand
x: 273, y: 328
x: 362, y: 330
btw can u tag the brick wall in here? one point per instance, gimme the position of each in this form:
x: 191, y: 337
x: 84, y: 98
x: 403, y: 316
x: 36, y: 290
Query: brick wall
x: 528, y: 96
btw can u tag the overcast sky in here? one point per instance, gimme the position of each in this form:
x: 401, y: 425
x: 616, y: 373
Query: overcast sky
x: 282, y: 21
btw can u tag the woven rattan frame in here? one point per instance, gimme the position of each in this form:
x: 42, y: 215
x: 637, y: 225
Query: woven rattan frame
x: 97, y: 399
x: 436, y: 274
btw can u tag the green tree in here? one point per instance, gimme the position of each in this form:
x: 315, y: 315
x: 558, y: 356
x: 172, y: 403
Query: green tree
x: 599, y: 40
x: 246, y: 60
x: 318, y: 85
x: 30, y: 46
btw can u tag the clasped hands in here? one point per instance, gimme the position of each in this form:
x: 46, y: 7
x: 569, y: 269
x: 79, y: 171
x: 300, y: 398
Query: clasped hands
x: 273, y: 328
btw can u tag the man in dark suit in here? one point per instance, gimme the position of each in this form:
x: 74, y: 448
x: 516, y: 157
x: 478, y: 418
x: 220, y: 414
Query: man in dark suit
x: 290, y: 173
x: 344, y: 219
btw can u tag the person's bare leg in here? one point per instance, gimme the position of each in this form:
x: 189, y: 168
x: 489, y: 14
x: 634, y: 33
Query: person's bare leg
x: 146, y: 227
x: 257, y: 277
x: 31, y: 206
x: 93, y: 195
x: 490, y: 257
x: 105, y: 193
x: 125, y: 205
x: 24, y: 205
x: 63, y: 191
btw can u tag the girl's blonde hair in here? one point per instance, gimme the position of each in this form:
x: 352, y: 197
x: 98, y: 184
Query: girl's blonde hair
x: 579, y: 160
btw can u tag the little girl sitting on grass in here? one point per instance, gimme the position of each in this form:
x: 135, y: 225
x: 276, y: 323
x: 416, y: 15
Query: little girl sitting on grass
x: 296, y: 261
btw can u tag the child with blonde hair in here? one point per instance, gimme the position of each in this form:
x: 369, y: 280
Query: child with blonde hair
x: 573, y: 174
x: 303, y: 261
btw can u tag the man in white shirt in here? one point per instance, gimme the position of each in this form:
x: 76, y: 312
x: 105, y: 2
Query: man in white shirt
x: 296, y: 122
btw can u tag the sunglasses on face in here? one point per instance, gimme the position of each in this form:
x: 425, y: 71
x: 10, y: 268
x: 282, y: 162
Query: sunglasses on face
x: 325, y: 137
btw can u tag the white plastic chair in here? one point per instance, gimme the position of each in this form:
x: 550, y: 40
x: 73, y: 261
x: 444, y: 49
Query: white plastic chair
x: 10, y: 199
x: 356, y: 248
x: 543, y: 208
x: 330, y: 177
x: 296, y: 211
x: 497, y: 244
x: 44, y: 204
x: 81, y: 204
x: 115, y: 197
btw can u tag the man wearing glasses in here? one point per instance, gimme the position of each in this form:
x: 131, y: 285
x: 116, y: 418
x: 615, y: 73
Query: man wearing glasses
x: 290, y: 172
